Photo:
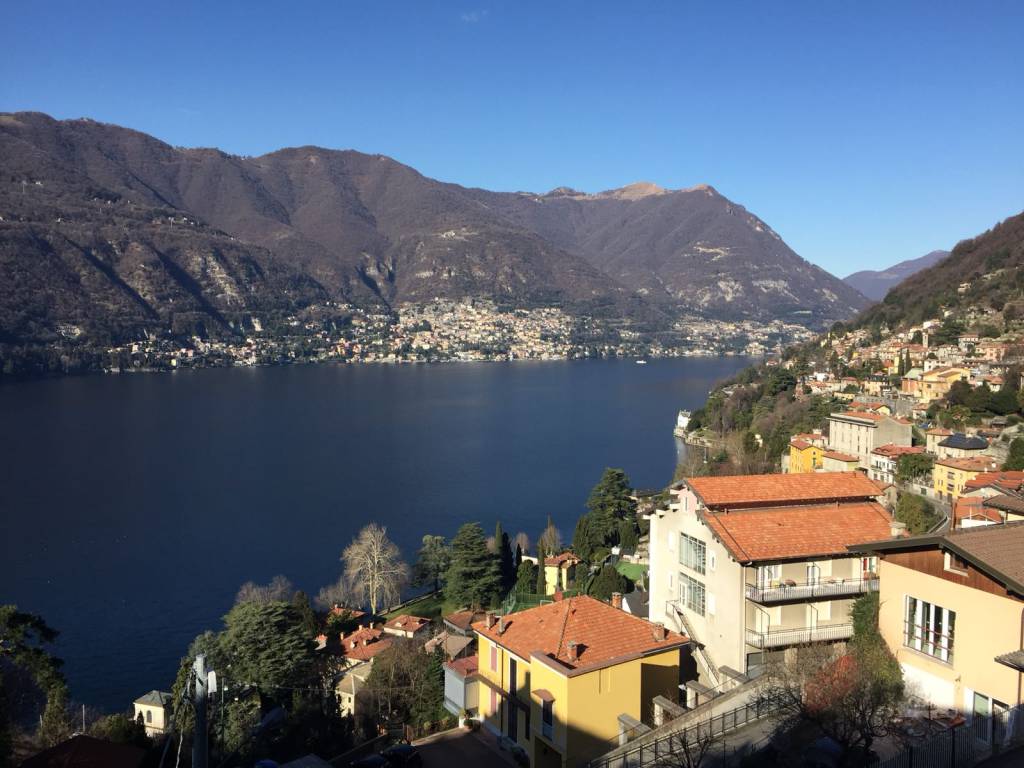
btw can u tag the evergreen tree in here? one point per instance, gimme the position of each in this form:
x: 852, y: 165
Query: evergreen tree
x: 582, y: 538
x: 517, y: 560
x: 541, y: 581
x: 526, y: 579
x: 628, y: 538
x: 55, y: 725
x: 610, y: 501
x: 310, y: 624
x: 506, y: 568
x: 433, y: 561
x: 1015, y: 461
x: 473, y: 577
x: 608, y: 581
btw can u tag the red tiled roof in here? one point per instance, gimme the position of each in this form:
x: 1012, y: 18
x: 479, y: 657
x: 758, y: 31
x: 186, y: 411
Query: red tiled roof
x: 561, y: 558
x: 407, y: 623
x: 799, y: 532
x: 602, y: 634
x: 939, y: 431
x: 973, y: 508
x: 970, y: 463
x: 463, y: 619
x: 840, y: 456
x: 1010, y: 480
x: 891, y: 449
x: 861, y: 415
x: 365, y: 643
x: 800, y: 445
x: 466, y: 666
x: 760, y: 490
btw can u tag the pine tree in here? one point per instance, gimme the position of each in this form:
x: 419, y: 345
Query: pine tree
x: 609, y: 502
x: 504, y: 552
x: 517, y: 559
x: 525, y: 578
x: 473, y: 577
x: 55, y: 725
x: 582, y: 538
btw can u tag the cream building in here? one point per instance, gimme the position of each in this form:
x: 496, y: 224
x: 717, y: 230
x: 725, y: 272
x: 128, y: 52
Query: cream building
x: 858, y: 433
x: 952, y: 611
x: 154, y: 710
x: 750, y: 564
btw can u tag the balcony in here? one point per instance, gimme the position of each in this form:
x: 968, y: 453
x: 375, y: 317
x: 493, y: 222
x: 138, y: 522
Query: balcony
x: 781, y: 638
x: 821, y: 589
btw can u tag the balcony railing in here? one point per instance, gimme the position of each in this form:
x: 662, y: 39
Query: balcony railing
x: 824, y: 587
x: 780, y: 638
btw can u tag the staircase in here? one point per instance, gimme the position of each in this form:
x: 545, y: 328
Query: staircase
x: 701, y: 651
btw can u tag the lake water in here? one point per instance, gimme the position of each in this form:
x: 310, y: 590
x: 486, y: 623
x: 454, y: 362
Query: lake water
x: 133, y: 507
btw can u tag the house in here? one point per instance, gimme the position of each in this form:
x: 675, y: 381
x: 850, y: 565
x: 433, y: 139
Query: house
x: 154, y: 710
x: 991, y: 497
x: 565, y: 679
x: 805, y: 453
x: 936, y: 383
x: 748, y: 564
x: 951, y: 608
x: 836, y: 461
x: 859, y: 432
x: 950, y: 476
x: 933, y: 437
x: 351, y: 683
x: 86, y: 752
x: 405, y: 625
x: 461, y: 622
x: 363, y: 644
x: 560, y: 571
x: 885, y: 461
x: 461, y: 691
x: 452, y: 644
x: 959, y: 446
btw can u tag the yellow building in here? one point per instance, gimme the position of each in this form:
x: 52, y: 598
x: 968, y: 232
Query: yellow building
x: 950, y: 476
x: 951, y: 609
x: 154, y: 710
x: 805, y: 453
x: 564, y: 680
x: 560, y: 571
x: 936, y: 383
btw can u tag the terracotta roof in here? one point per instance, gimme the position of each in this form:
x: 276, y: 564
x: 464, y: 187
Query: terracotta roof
x: 603, y: 635
x: 939, y: 431
x: 840, y: 456
x: 466, y: 666
x: 798, y: 532
x: 563, y: 557
x: 1009, y: 480
x: 464, y: 619
x: 800, y: 445
x: 891, y: 449
x: 87, y: 752
x: 365, y: 643
x: 763, y: 490
x: 973, y: 508
x: 407, y: 623
x: 970, y: 463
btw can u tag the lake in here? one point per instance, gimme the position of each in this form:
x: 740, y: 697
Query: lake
x: 133, y: 507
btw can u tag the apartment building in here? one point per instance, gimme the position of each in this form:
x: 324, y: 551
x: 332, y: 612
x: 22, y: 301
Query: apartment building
x: 885, y: 461
x: 950, y: 476
x: 749, y: 564
x: 952, y: 609
x: 858, y: 433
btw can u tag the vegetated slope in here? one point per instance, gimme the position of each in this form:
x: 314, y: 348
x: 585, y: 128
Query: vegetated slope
x: 876, y: 283
x: 987, y: 270
x: 691, y: 248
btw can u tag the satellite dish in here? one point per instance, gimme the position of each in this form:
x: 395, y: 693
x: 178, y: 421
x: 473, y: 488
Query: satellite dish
x: 211, y: 682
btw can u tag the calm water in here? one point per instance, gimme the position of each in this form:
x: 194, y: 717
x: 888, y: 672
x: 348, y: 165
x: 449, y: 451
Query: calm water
x: 133, y: 507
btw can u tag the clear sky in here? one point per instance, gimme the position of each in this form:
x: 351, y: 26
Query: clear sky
x: 864, y: 133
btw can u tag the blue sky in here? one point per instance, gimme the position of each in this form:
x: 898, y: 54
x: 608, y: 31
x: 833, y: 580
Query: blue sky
x: 864, y: 133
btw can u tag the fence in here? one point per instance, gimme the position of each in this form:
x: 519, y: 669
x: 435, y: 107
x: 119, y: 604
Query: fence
x: 823, y: 587
x: 659, y: 751
x: 520, y: 601
x: 963, y: 745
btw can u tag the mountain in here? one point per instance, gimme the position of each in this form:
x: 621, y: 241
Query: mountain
x: 111, y: 232
x: 876, y: 283
x: 690, y: 248
x: 982, y: 272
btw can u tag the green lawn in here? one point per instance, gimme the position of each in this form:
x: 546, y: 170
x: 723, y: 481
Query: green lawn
x: 632, y: 571
x: 429, y: 607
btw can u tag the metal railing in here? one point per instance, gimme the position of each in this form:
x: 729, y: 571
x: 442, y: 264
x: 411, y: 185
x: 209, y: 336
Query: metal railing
x: 656, y: 751
x: 675, y: 608
x: 780, y: 638
x: 811, y: 590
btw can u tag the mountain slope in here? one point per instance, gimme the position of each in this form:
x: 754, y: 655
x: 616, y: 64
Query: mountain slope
x: 692, y: 248
x: 983, y: 271
x: 876, y: 283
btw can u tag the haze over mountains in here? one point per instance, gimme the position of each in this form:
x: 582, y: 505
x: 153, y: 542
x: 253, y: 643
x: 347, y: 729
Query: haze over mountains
x: 114, y: 231
x: 874, y: 284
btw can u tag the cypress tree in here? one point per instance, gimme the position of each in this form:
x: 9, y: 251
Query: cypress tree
x: 506, y: 568
x: 541, y: 583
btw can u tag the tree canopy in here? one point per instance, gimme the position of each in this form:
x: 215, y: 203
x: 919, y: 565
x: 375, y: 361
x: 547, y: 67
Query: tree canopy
x: 473, y: 577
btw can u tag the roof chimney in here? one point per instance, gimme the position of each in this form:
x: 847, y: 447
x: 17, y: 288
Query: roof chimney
x: 617, y: 600
x: 659, y: 631
x: 557, y: 597
x: 501, y: 625
x: 574, y: 651
x: 490, y: 619
x: 897, y: 529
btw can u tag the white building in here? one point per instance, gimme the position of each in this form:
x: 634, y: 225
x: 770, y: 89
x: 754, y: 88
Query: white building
x: 859, y: 432
x: 154, y: 710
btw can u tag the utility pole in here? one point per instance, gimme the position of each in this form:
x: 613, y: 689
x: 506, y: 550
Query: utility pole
x: 200, y: 749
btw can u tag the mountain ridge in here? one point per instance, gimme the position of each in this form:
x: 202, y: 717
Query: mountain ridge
x: 876, y: 283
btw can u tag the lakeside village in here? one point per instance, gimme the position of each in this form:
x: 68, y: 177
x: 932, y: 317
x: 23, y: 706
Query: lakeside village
x: 441, y: 331
x: 857, y: 602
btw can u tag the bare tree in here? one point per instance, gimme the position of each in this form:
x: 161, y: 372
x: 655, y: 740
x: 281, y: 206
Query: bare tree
x: 551, y: 539
x: 686, y: 748
x: 340, y: 593
x: 523, y: 540
x: 374, y: 567
x: 280, y: 589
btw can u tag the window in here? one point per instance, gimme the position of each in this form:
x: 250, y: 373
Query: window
x: 691, y: 594
x: 692, y: 553
x: 494, y: 658
x: 768, y: 575
x: 955, y: 563
x: 929, y: 628
x: 547, y: 719
x: 149, y: 715
x: 868, y: 567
